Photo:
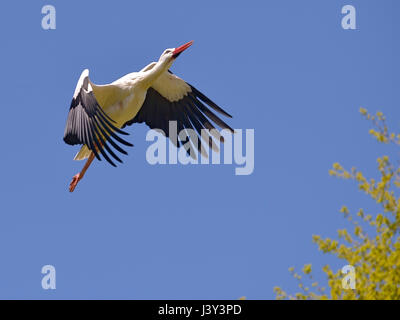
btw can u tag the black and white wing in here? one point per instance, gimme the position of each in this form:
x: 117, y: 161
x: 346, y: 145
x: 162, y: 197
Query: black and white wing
x: 89, y: 125
x: 172, y: 99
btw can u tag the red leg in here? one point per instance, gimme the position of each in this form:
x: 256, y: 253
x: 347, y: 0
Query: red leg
x: 78, y: 177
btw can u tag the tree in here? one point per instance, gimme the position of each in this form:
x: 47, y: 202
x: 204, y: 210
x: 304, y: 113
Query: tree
x: 373, y: 246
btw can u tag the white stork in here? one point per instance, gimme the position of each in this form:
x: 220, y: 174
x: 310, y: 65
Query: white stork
x: 153, y: 95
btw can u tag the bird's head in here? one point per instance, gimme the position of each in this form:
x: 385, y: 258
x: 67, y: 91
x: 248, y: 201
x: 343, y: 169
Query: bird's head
x: 169, y: 55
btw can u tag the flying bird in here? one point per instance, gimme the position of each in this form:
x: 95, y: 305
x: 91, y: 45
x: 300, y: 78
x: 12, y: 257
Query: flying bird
x: 154, y: 95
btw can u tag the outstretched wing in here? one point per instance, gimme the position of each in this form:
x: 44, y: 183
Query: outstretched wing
x: 89, y: 125
x: 172, y: 99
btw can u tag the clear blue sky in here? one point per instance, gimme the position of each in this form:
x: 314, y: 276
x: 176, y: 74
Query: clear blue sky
x: 285, y: 68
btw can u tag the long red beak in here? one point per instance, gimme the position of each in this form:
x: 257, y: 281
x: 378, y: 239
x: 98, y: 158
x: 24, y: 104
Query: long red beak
x: 182, y: 48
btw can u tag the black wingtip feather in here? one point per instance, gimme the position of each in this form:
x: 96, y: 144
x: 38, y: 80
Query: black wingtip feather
x: 89, y: 125
x: 208, y: 101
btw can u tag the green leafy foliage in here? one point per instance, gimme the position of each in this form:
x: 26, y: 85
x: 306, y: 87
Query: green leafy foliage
x: 375, y: 255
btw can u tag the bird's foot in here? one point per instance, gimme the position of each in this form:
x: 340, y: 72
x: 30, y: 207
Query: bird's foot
x: 76, y: 178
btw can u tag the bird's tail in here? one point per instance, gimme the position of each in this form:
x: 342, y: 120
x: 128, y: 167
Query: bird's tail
x: 84, y: 153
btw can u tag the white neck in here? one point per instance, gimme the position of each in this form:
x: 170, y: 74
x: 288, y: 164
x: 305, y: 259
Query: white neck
x: 152, y: 75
